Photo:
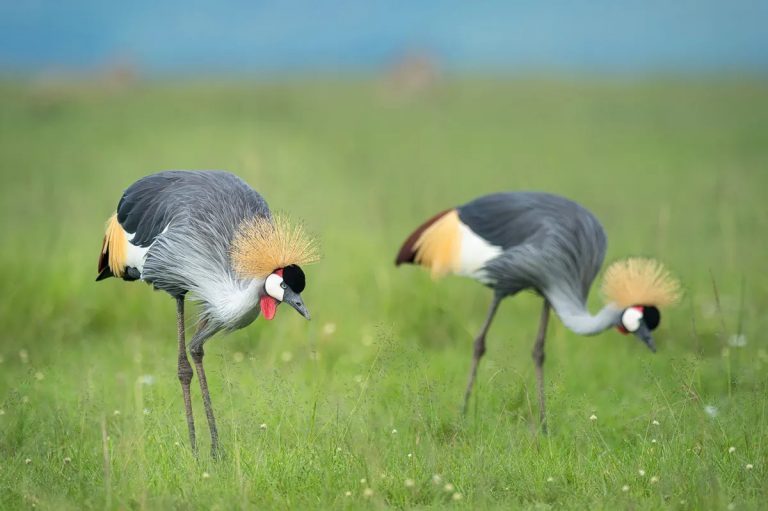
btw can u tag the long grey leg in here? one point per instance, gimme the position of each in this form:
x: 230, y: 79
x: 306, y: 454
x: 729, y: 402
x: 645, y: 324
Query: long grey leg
x: 197, y: 357
x: 185, y: 371
x: 480, y: 348
x: 538, y: 359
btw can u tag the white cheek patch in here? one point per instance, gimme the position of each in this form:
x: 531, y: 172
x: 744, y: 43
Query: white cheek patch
x: 631, y: 319
x: 274, y: 288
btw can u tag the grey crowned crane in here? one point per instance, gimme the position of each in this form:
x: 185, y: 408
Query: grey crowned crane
x: 515, y: 241
x: 209, y: 234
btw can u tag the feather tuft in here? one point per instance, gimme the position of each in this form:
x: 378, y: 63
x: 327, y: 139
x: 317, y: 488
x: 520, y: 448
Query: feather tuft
x: 439, y: 245
x: 262, y: 245
x: 640, y: 281
x: 114, y: 249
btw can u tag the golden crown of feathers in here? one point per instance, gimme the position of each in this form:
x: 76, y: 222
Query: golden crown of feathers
x: 262, y: 245
x: 640, y: 281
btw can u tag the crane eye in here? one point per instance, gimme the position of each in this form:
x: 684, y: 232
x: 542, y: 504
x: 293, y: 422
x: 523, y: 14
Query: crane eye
x: 283, y: 285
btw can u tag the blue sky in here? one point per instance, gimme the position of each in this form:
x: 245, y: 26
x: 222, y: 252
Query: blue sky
x: 238, y: 36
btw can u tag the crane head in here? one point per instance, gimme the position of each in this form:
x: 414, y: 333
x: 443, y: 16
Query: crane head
x: 283, y: 285
x: 640, y: 320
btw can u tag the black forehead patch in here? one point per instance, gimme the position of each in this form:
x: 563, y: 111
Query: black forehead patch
x: 294, y: 278
x: 651, y: 317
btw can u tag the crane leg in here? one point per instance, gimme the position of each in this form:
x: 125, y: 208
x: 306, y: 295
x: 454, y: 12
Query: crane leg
x: 538, y: 359
x: 479, y: 349
x: 185, y: 372
x: 197, y: 357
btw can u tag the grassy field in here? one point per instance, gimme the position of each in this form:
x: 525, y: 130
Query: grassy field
x: 360, y: 408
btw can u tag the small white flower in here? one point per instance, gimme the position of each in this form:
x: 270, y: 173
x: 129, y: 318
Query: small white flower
x: 347, y: 493
x: 457, y: 496
x: 146, y: 411
x: 206, y: 475
x: 711, y: 410
x: 286, y: 356
x: 654, y: 479
x: 641, y: 472
x: 394, y: 432
x: 25, y: 399
x: 593, y: 417
x: 653, y: 440
x: 146, y: 379
x: 437, y: 479
x: 116, y: 413
x: 238, y: 356
x: 448, y: 487
x: 655, y: 422
x: 625, y: 488
x: 368, y: 493
x: 410, y: 455
x: 410, y: 483
x: 363, y: 480
x: 731, y: 450
x: 176, y: 444
x: 329, y: 328
x: 749, y: 466
x: 550, y: 479
x: 737, y: 340
x: 263, y: 425
x: 39, y: 376
x: 28, y: 461
x: 338, y: 449
x: 67, y: 460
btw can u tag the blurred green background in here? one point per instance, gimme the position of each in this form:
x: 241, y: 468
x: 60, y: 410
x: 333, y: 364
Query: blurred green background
x: 363, y: 121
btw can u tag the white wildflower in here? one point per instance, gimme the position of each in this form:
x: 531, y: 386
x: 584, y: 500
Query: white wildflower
x: 28, y: 461
x: 410, y: 483
x: 368, y: 493
x: 731, y: 450
x: 146, y: 379
x: 641, y: 472
x: 67, y: 460
x: 711, y: 410
x: 347, y: 493
x: 655, y: 422
x: 394, y: 432
x: 437, y: 479
x: 654, y: 479
x: 625, y: 488
x: 457, y: 496
x: 448, y: 487
x: 749, y: 466
x: 39, y: 376
x: 737, y: 340
x: 263, y: 425
x: 550, y: 479
x: 593, y: 417
x: 206, y: 475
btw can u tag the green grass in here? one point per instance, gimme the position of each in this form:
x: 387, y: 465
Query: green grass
x: 677, y: 170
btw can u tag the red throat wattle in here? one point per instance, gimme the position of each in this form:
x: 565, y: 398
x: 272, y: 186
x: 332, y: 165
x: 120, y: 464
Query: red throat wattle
x: 268, y: 306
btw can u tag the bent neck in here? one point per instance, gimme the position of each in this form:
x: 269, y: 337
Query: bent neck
x: 575, y: 316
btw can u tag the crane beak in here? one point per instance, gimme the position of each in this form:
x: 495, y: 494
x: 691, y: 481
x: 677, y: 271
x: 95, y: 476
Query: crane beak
x: 294, y: 300
x: 644, y: 334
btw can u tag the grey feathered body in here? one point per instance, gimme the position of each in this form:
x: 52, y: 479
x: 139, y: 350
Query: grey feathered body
x: 187, y: 219
x: 550, y: 244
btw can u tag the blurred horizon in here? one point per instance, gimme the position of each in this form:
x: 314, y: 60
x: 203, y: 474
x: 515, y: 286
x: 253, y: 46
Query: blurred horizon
x: 238, y: 38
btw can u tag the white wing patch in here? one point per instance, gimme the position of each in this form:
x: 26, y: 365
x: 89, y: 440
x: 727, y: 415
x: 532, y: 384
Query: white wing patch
x: 475, y: 252
x: 136, y: 255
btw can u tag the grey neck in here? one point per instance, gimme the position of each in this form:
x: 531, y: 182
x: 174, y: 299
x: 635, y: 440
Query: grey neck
x: 574, y: 315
